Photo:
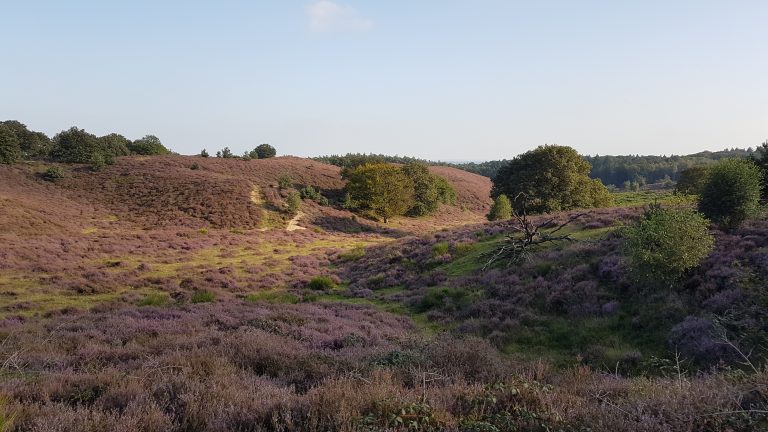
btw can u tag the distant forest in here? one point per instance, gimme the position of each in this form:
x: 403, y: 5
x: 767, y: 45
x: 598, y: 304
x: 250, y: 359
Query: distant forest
x: 611, y: 170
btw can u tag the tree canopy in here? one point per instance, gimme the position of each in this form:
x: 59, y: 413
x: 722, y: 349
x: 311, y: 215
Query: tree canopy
x: 550, y: 178
x: 263, y: 151
x: 429, y: 190
x: 149, y: 145
x: 10, y: 151
x: 381, y: 190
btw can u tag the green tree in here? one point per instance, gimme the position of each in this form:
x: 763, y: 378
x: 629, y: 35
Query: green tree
x: 550, y: 178
x: 10, y: 151
x: 429, y: 190
x: 76, y: 146
x: 263, y: 151
x: 32, y: 144
x: 760, y: 158
x: 665, y: 243
x: 731, y: 193
x: 149, y: 145
x: 692, y: 180
x: 294, y: 202
x: 381, y: 190
x: 204, y: 153
x: 114, y: 145
x: 225, y: 153
x: 501, y: 209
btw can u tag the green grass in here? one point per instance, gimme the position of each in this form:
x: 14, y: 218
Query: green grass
x: 645, y: 197
x: 154, y: 299
x: 273, y: 297
x: 203, y: 297
x: 321, y: 283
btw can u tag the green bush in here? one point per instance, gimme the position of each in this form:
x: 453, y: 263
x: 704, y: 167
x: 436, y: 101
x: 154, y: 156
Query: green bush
x: 203, y: 297
x: 294, y: 202
x: 321, y: 283
x: 731, y: 193
x: 311, y: 193
x: 501, y: 209
x: 53, y: 174
x: 285, y: 182
x: 149, y: 145
x: 665, y: 243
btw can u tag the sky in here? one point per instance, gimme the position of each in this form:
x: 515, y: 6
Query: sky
x: 442, y: 80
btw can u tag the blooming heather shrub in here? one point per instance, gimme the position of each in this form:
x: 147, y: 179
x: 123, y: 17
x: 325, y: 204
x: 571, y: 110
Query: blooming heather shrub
x: 695, y: 338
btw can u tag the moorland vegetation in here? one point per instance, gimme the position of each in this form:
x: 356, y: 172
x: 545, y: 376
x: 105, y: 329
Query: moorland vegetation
x: 167, y: 293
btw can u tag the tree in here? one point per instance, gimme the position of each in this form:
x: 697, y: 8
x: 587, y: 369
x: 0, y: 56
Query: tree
x: 149, y: 145
x: 692, y: 180
x: 381, y: 190
x: 204, y: 153
x: 665, y: 243
x: 429, y: 190
x: 76, y: 146
x: 551, y: 178
x: 225, y: 153
x: 32, y: 144
x: 10, y: 151
x: 294, y: 202
x: 731, y: 193
x: 501, y: 209
x: 263, y: 151
x: 115, y: 145
x: 760, y: 158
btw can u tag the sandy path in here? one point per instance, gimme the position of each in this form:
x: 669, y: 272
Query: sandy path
x: 293, y: 224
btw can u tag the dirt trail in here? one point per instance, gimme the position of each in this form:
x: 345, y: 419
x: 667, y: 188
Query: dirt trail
x: 293, y: 224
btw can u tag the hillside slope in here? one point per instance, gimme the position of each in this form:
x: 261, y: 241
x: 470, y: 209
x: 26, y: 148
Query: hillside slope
x: 195, y: 192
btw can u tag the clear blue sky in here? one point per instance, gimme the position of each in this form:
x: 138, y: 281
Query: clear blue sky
x: 450, y: 80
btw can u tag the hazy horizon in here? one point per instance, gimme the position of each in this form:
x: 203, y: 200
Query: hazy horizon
x: 434, y: 80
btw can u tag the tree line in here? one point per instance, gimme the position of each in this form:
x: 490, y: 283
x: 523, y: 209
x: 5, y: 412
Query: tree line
x: 618, y: 171
x: 73, y: 145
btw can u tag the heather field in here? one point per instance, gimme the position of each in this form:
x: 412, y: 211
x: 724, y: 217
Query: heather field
x: 167, y: 293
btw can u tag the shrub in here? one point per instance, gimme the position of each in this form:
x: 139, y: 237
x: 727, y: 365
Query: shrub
x: 53, y: 174
x: 311, y: 193
x: 203, y: 297
x: 501, y: 210
x: 285, y: 182
x: 321, y: 283
x: 194, y: 166
x: 294, y: 202
x: 665, y: 243
x: 76, y: 146
x: 731, y: 193
x: 204, y: 153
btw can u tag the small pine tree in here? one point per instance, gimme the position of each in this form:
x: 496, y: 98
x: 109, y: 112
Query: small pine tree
x: 294, y: 202
x: 501, y: 210
x: 204, y: 153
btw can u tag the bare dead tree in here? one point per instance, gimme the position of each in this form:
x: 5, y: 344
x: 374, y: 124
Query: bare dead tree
x: 526, y: 236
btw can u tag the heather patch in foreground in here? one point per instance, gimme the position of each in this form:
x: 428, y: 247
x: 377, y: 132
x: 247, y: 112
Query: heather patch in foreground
x: 319, y: 367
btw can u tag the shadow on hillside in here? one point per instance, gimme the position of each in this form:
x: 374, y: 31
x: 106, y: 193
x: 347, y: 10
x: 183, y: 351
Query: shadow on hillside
x: 349, y: 225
